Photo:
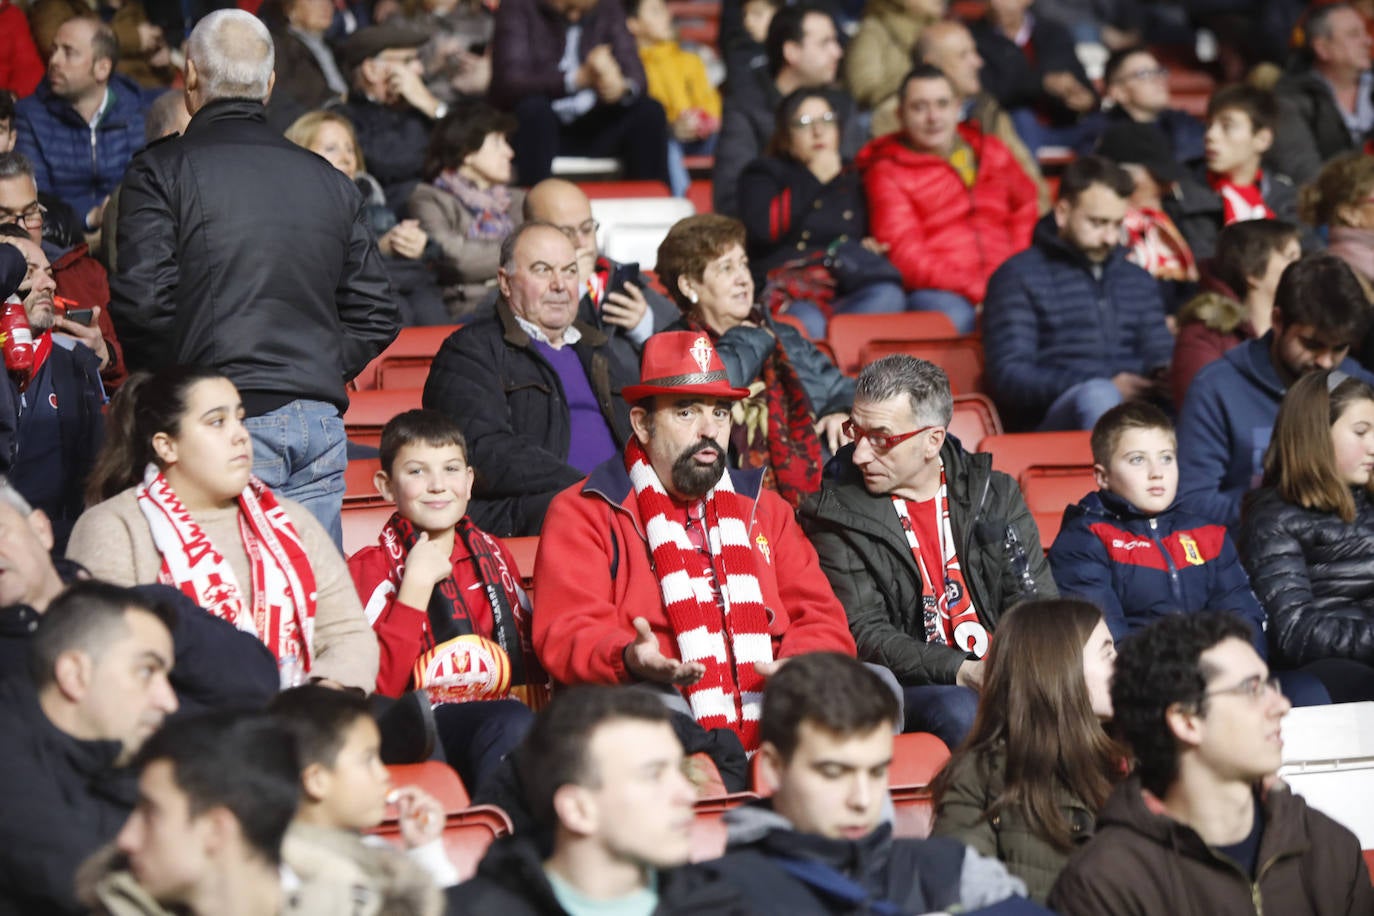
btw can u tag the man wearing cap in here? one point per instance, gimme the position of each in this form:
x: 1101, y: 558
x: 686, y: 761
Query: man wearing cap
x: 667, y: 569
x: 391, y: 109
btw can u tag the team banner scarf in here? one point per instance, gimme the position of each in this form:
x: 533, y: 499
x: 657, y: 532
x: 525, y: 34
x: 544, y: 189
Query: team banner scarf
x: 948, y: 609
x: 730, y: 694
x: 450, y: 618
x: 282, y: 610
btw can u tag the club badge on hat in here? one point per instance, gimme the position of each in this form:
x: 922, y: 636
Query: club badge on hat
x: 682, y: 362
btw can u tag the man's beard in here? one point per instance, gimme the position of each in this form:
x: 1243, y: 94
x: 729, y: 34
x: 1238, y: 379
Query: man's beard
x: 694, y: 480
x: 40, y: 318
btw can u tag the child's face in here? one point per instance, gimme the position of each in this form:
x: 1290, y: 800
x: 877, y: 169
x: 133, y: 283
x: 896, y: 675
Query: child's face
x: 1233, y: 144
x: 653, y: 22
x: 757, y: 17
x: 430, y: 485
x: 1143, y: 470
x: 1352, y: 441
x: 353, y: 791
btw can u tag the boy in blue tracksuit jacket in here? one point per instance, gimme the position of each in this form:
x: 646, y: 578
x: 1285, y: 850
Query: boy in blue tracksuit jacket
x: 1130, y: 550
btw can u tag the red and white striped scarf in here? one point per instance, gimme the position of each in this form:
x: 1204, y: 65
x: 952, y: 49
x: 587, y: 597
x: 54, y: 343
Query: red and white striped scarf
x: 730, y: 695
x: 282, y: 612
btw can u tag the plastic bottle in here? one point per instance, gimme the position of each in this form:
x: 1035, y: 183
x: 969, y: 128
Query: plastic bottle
x: 17, y: 338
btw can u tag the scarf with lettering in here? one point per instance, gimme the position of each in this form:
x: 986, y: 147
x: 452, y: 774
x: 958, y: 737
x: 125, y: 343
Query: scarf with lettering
x: 730, y: 694
x: 281, y: 610
x: 950, y: 617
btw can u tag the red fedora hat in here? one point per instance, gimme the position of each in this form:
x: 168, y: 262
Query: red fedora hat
x: 682, y: 362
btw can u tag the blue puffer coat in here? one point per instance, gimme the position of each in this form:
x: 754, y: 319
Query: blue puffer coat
x: 1138, y: 567
x: 67, y: 161
x: 1049, y: 324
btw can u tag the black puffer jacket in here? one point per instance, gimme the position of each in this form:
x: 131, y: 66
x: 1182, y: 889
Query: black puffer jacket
x: 867, y: 559
x: 240, y: 251
x: 1314, y: 575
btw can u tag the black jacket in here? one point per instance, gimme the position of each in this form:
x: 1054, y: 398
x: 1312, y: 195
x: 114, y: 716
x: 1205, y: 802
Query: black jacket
x: 1314, y: 575
x: 1015, y: 81
x: 62, y: 800
x: 1310, y: 129
x: 243, y: 252
x: 865, y: 555
x: 490, y: 378
x: 393, y: 139
x: 788, y: 213
x: 510, y: 880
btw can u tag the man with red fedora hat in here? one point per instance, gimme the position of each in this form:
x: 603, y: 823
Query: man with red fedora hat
x: 666, y: 568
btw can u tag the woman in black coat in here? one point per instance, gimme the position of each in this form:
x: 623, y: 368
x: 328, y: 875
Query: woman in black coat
x: 1308, y: 536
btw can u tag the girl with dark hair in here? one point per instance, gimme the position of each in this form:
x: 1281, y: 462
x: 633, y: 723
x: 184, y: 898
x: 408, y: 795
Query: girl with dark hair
x: 807, y: 222
x: 1028, y: 782
x: 466, y: 203
x: 174, y: 500
x: 1307, y: 537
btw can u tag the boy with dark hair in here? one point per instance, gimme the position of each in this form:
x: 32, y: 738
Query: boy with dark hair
x: 1130, y: 550
x: 1227, y: 418
x: 602, y: 775
x: 345, y: 790
x: 820, y: 844
x: 1202, y: 826
x: 445, y: 600
x: 1240, y: 129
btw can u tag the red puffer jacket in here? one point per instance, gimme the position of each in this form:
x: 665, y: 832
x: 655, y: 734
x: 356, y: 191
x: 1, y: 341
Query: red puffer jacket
x: 942, y: 234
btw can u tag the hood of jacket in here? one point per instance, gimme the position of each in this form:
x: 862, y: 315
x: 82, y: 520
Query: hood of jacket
x: 1251, y: 360
x: 1216, y: 310
x: 757, y: 824
x: 338, y: 866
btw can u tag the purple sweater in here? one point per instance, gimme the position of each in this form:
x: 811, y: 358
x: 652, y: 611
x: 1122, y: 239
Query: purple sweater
x: 591, y: 442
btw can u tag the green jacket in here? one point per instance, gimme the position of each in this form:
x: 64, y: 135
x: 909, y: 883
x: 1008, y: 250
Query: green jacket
x: 975, y: 781
x: 867, y: 559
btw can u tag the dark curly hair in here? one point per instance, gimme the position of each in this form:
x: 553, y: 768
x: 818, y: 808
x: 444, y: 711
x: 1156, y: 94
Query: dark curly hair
x: 1156, y: 668
x: 461, y: 132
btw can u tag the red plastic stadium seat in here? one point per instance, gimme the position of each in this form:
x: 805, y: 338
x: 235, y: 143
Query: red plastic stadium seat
x: 468, y: 828
x: 438, y: 779
x: 960, y: 357
x: 1049, y: 489
x: 362, y: 525
x: 699, y: 193
x: 369, y: 411
x: 358, y: 487
x: 405, y: 362
x: 524, y: 551
x: 1012, y: 453
x: 847, y: 334
x: 794, y: 321
x: 600, y: 190
x: 975, y: 416
x: 1369, y: 862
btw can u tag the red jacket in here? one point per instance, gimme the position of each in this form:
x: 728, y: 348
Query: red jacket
x: 20, y: 66
x: 593, y: 577
x: 403, y: 631
x: 82, y: 279
x: 942, y: 234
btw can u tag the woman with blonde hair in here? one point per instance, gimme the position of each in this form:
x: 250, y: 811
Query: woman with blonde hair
x: 1027, y: 784
x: 1307, y: 537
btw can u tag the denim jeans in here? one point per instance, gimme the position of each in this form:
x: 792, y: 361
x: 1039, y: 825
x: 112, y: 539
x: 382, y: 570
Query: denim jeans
x: 1080, y: 406
x: 945, y: 710
x: 874, y: 299
x: 300, y: 452
x: 959, y: 309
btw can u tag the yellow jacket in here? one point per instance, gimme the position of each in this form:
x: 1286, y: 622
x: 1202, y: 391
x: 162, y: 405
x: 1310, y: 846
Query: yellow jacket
x: 677, y: 80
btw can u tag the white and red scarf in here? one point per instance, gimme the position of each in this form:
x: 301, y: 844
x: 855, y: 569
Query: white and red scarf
x: 950, y: 617
x: 730, y: 694
x: 282, y: 610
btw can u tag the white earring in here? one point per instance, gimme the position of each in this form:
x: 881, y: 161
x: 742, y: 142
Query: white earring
x: 692, y: 297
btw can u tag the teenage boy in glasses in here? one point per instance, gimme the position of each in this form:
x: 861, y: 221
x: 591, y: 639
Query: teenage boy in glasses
x: 924, y: 543
x: 1202, y: 825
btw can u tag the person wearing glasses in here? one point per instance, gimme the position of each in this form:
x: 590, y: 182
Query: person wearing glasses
x: 1137, y: 87
x: 923, y: 542
x: 803, y: 208
x: 1308, y: 535
x: 1203, y: 825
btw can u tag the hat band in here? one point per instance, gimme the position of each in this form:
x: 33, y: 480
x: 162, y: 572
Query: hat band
x: 680, y: 381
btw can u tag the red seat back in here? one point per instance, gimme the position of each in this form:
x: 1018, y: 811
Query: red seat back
x: 960, y: 357
x: 1012, y: 453
x: 405, y: 361
x: 1049, y: 489
x: 359, y: 489
x: 975, y: 416
x: 847, y: 334
x: 369, y: 411
x: 362, y: 525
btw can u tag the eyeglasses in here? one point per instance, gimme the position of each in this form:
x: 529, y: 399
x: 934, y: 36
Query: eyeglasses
x: 1146, y: 73
x: 575, y: 232
x: 1252, y: 688
x: 826, y: 120
x: 879, y: 441
x: 30, y: 217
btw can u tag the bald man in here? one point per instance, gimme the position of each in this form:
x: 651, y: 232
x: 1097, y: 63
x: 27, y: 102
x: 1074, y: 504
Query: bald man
x: 629, y: 316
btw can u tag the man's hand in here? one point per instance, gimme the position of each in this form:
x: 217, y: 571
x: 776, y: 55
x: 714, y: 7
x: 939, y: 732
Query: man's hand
x: 876, y: 246
x: 1066, y: 87
x: 474, y: 73
x: 404, y: 240
x: 831, y: 430
x: 768, y: 669
x: 409, y: 85
x: 970, y: 675
x: 420, y: 814
x: 646, y: 660
x: 685, y: 127
x: 89, y: 337
x: 606, y: 76
x: 1133, y: 386
x: 624, y: 309
x: 149, y: 37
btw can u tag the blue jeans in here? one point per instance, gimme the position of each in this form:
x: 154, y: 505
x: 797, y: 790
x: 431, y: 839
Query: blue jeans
x: 1078, y: 136
x: 1080, y: 406
x: 874, y: 299
x: 959, y: 309
x: 300, y: 451
x: 477, y: 736
x: 679, y: 179
x: 944, y: 710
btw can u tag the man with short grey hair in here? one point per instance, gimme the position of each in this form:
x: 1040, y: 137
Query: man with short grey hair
x: 924, y: 543
x: 243, y: 252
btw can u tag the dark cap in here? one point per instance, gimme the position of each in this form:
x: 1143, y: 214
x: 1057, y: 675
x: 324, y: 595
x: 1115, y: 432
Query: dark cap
x: 13, y: 268
x: 375, y: 39
x: 1132, y: 143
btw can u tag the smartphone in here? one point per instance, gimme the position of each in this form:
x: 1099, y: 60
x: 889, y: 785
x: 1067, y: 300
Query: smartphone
x: 622, y: 274
x: 80, y: 316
